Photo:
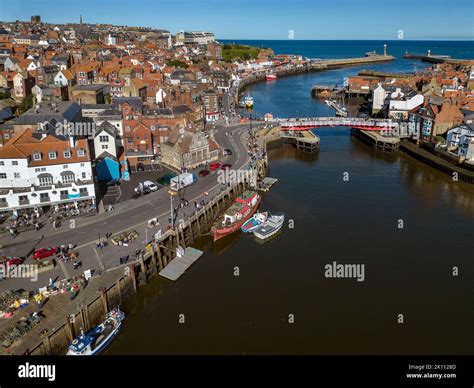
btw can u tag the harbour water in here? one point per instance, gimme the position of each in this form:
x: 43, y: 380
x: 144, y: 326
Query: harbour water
x: 407, y: 271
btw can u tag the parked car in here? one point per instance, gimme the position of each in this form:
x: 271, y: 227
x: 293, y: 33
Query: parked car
x: 43, y: 253
x: 227, y: 152
x: 9, y: 260
x: 150, y: 185
x: 204, y: 173
x: 226, y: 166
x: 165, y: 179
x: 214, y: 166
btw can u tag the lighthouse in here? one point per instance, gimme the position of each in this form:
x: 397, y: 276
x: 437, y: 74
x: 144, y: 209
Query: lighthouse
x: 385, y: 50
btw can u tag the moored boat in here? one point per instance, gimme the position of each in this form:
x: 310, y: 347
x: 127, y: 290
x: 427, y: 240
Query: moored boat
x: 270, y: 227
x: 95, y: 340
x: 271, y: 77
x: 254, y: 222
x: 248, y: 100
x: 234, y: 217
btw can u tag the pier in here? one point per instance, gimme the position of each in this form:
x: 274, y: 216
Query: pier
x: 431, y: 58
x: 376, y: 140
x: 303, y: 140
x: 179, y: 265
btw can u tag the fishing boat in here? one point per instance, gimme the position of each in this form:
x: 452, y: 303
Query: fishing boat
x: 271, y: 77
x: 270, y: 227
x: 253, y: 222
x: 234, y: 217
x: 248, y: 100
x: 95, y: 340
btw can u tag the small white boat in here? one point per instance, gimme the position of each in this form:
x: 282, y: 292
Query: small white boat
x: 270, y: 227
x: 252, y: 223
x: 95, y: 340
x: 248, y: 100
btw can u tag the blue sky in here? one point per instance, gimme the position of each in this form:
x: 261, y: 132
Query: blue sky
x: 267, y: 19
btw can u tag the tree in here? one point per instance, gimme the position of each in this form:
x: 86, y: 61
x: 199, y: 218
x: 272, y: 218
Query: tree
x: 25, y: 104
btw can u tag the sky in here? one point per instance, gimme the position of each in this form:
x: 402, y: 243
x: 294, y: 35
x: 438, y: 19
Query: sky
x: 266, y: 19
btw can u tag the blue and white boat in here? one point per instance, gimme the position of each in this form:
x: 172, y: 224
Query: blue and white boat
x: 95, y: 340
x: 254, y: 222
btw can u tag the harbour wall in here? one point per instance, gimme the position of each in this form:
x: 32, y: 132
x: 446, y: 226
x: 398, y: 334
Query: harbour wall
x: 313, y: 67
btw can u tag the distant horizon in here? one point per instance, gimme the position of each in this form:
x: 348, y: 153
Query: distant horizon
x: 267, y: 19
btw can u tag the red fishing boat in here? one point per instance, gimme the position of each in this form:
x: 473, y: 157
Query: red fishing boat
x: 234, y: 217
x: 271, y: 77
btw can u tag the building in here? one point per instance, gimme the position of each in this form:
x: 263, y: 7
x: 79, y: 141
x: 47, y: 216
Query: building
x: 40, y: 168
x: 460, y: 140
x: 90, y: 94
x: 36, y: 19
x: 211, y: 105
x: 188, y: 149
x: 194, y: 37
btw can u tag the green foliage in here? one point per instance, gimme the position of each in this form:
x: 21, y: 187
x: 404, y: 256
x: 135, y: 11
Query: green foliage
x: 177, y: 63
x: 4, y: 95
x: 231, y: 52
x: 25, y: 104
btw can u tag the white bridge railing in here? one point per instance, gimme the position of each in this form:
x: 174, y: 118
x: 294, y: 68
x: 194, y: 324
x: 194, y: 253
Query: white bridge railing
x: 338, y: 121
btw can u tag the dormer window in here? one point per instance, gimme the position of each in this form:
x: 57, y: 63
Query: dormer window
x: 37, y: 156
x: 52, y: 154
x: 67, y: 153
x: 80, y: 152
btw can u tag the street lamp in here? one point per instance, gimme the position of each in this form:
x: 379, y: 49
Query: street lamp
x: 172, y: 193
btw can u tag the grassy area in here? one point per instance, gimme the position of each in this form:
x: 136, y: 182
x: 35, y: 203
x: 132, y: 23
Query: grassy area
x: 231, y: 52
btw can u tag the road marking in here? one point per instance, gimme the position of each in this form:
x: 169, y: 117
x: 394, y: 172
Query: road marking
x: 64, y: 269
x: 101, y: 264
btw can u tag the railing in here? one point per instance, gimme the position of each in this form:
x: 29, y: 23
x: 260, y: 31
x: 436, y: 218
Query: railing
x: 24, y: 201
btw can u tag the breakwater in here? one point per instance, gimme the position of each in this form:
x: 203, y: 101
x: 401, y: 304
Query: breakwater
x: 313, y: 67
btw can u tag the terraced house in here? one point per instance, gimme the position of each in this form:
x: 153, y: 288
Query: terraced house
x: 39, y: 168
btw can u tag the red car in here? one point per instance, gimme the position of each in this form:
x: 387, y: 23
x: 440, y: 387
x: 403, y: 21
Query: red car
x: 11, y: 260
x: 214, y: 165
x: 203, y: 173
x: 43, y: 253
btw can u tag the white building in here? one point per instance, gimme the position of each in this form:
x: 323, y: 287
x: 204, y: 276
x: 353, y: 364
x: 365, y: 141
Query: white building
x: 378, y: 98
x: 39, y: 168
x: 461, y: 140
x: 399, y: 108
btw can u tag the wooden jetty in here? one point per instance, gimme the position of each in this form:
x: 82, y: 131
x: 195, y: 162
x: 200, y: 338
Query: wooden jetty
x: 376, y: 140
x: 303, y: 140
x: 267, y: 183
x: 179, y: 265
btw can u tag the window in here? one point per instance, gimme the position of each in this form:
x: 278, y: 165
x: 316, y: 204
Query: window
x: 67, y: 153
x: 16, y: 175
x: 52, y: 154
x: 129, y: 140
x: 39, y: 169
x: 3, y: 175
x: 2, y: 163
x: 36, y: 156
x: 83, y: 175
x: 80, y: 152
x: 67, y: 177
x: 65, y: 166
x: 127, y: 128
x: 45, y: 180
x: 103, y: 138
x: 105, y: 146
x: 14, y: 162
